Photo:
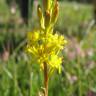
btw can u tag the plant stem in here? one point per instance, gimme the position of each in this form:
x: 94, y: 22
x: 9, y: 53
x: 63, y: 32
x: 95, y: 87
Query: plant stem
x: 30, y: 80
x: 45, y: 79
x: 31, y: 75
x: 79, y: 77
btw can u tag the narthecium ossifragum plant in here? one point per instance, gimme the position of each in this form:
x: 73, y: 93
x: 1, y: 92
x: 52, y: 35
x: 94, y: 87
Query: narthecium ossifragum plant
x: 43, y: 45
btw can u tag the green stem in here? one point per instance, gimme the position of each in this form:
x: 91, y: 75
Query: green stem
x: 79, y: 78
x: 30, y: 78
x: 15, y: 81
x: 79, y: 83
x: 31, y: 75
x: 16, y: 87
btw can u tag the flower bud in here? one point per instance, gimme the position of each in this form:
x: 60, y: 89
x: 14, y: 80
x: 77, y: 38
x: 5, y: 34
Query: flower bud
x: 55, y: 13
x: 40, y: 16
x: 46, y: 4
x: 39, y: 11
x: 47, y: 18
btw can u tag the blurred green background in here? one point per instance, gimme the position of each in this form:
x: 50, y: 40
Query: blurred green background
x: 19, y: 77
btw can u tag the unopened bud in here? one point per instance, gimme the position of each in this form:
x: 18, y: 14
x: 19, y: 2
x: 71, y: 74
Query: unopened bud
x: 46, y: 4
x: 40, y: 16
x: 39, y: 12
x: 47, y: 18
x: 55, y: 13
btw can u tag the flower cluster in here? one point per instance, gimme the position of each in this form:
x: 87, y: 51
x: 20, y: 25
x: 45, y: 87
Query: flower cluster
x: 43, y: 44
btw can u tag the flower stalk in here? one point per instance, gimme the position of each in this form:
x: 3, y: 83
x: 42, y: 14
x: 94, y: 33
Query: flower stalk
x: 45, y: 80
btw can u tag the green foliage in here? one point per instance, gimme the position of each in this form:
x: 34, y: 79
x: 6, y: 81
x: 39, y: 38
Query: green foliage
x: 79, y: 66
x: 74, y: 18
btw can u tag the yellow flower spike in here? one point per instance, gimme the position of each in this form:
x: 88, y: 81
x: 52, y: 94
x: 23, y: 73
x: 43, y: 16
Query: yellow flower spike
x: 45, y: 48
x: 40, y: 16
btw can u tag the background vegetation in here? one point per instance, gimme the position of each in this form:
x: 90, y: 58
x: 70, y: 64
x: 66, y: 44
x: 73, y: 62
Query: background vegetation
x: 18, y: 77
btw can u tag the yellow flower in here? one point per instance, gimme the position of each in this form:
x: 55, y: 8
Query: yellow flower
x: 55, y: 62
x: 42, y: 44
x: 46, y: 47
x: 33, y: 36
